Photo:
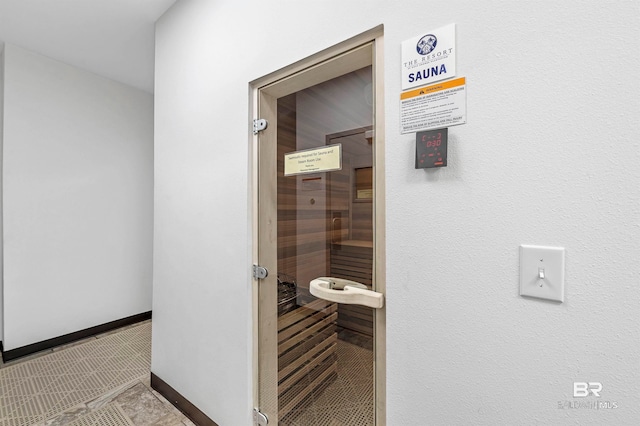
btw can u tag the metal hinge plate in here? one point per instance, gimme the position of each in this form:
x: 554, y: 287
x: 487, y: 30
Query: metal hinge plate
x: 260, y: 272
x: 259, y: 419
x: 259, y: 124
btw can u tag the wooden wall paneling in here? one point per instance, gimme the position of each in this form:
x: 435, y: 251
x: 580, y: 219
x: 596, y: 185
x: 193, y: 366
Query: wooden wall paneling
x: 362, y: 221
x: 353, y: 318
x: 354, y: 261
x: 302, y: 218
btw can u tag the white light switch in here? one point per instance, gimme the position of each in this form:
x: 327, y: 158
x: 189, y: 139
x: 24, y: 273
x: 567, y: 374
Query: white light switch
x: 542, y: 272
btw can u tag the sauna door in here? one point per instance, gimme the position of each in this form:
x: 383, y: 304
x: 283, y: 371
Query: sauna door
x: 320, y: 334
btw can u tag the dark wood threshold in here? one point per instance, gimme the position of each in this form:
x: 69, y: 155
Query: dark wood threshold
x: 180, y: 402
x: 12, y: 354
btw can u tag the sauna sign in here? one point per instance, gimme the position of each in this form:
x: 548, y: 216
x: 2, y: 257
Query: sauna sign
x: 315, y: 160
x: 429, y: 57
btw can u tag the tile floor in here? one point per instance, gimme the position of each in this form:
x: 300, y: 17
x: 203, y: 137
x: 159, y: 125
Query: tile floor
x: 104, y: 381
x: 100, y: 381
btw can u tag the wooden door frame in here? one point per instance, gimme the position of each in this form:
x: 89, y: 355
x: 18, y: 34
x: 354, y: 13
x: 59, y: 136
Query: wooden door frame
x: 288, y: 80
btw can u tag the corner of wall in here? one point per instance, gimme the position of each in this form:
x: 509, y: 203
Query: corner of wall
x: 1, y: 194
x: 92, y: 138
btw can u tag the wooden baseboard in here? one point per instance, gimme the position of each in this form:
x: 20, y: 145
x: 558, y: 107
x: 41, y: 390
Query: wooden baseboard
x: 12, y: 354
x: 180, y: 402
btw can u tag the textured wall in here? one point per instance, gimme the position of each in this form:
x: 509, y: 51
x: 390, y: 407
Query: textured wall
x: 1, y: 138
x: 549, y: 156
x: 77, y: 199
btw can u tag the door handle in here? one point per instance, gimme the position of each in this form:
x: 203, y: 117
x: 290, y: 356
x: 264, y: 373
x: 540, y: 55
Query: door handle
x: 349, y: 292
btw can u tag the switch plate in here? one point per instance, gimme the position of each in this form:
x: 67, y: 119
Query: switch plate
x: 542, y: 272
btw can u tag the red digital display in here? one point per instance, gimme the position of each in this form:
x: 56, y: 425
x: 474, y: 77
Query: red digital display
x: 431, y: 148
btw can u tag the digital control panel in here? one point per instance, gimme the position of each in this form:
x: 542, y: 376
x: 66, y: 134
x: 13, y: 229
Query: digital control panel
x: 431, y: 148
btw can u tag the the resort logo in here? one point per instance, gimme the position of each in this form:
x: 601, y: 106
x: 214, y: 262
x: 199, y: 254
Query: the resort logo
x: 429, y: 57
x: 426, y: 44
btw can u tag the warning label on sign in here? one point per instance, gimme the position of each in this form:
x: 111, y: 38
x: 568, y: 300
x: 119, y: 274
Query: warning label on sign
x: 436, y: 106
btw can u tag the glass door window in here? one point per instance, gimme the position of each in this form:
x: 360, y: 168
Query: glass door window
x: 317, y: 312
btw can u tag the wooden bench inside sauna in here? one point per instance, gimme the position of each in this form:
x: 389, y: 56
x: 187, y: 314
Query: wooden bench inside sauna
x: 308, y: 327
x: 307, y: 340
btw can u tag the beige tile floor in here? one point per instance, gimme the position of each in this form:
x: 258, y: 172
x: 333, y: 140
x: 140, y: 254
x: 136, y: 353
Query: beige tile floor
x: 100, y: 381
x: 104, y: 381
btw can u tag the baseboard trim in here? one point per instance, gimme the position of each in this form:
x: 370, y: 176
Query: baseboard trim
x: 180, y: 402
x: 12, y: 354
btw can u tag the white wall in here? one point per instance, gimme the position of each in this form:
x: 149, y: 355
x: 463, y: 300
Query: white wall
x: 1, y: 162
x: 549, y: 156
x: 77, y: 199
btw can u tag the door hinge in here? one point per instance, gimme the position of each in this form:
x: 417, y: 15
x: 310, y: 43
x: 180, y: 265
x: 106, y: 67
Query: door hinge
x: 259, y: 124
x: 260, y: 272
x: 259, y: 419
